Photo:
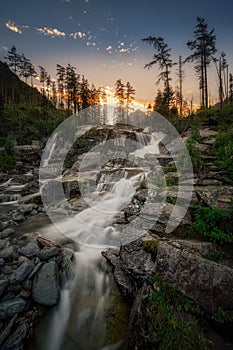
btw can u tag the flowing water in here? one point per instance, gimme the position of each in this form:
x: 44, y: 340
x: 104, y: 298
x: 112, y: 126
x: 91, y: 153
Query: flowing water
x: 91, y: 314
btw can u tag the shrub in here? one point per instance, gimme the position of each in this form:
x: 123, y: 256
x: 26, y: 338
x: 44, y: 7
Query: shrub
x: 213, y: 224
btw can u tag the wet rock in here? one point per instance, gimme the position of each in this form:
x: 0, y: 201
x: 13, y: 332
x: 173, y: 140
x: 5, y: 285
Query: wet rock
x: 22, y: 272
x: 3, y: 286
x: 14, y: 342
x: 8, y: 253
x: 2, y: 262
x: 48, y: 253
x: 27, y: 284
x: 30, y: 249
x: 6, y: 332
x: 11, y: 307
x: 6, y: 233
x: 45, y: 289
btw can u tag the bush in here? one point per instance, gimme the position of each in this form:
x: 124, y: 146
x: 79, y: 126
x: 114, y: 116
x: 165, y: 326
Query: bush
x: 213, y: 224
x: 224, y: 153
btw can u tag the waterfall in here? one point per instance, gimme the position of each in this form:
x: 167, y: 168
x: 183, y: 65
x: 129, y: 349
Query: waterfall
x: 80, y: 320
x: 52, y: 142
x: 92, y: 226
x: 150, y: 143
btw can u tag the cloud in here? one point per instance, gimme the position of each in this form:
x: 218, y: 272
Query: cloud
x: 4, y: 48
x: 51, y: 32
x: 109, y: 48
x: 13, y: 26
x: 78, y: 35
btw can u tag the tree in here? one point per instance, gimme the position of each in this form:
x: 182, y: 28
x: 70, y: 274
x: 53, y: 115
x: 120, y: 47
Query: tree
x: 84, y: 93
x: 103, y: 97
x: 61, y: 72
x: 43, y: 76
x: 180, y: 74
x: 71, y: 83
x: 231, y: 89
x: 203, y: 47
x: 129, y: 97
x: 162, y: 57
x: 13, y: 59
x: 120, y: 97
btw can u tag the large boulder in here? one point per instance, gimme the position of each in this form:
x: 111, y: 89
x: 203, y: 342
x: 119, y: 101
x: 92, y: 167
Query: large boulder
x: 45, y: 289
x: 208, y: 283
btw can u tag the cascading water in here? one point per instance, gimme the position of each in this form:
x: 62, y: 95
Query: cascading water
x: 80, y: 319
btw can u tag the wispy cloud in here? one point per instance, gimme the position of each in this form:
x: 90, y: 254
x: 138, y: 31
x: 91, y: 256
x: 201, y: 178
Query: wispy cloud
x: 53, y: 32
x: 13, y: 26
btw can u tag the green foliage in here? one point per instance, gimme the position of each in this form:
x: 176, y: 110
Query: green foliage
x: 212, y: 225
x: 7, y: 161
x: 194, y: 153
x: 224, y: 152
x: 222, y: 316
x: 31, y: 123
x: 171, y: 181
x: 169, y: 169
x: 168, y: 307
x: 151, y: 248
x: 214, y: 257
x: 195, y: 129
x: 143, y: 185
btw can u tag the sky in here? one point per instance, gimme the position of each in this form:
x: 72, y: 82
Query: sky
x: 102, y: 38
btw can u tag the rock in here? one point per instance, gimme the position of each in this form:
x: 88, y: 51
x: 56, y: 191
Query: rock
x: 141, y: 335
x: 209, y: 284
x: 45, y: 289
x: 27, y: 284
x: 6, y: 332
x: 3, y: 285
x: 2, y: 262
x: 22, y: 272
x: 18, y: 217
x: 30, y: 249
x: 15, y: 341
x: 9, y: 252
x: 48, y: 253
x: 44, y: 242
x: 3, y: 243
x: 7, y: 233
x: 11, y: 307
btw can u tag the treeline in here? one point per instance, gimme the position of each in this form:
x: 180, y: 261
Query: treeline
x: 70, y: 90
x: 203, y: 49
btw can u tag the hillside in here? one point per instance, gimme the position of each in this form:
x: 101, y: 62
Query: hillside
x: 14, y: 91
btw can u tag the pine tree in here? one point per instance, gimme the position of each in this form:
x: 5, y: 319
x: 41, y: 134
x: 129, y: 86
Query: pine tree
x: 43, y: 75
x: 129, y: 98
x: 13, y: 59
x: 120, y: 97
x: 203, y: 47
x: 61, y: 71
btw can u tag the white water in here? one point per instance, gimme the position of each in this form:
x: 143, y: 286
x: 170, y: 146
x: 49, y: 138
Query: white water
x: 51, y: 150
x: 150, y: 144
x: 79, y: 321
x: 92, y: 226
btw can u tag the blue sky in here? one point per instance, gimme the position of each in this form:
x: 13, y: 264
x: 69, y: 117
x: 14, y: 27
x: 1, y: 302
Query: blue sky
x: 102, y: 38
